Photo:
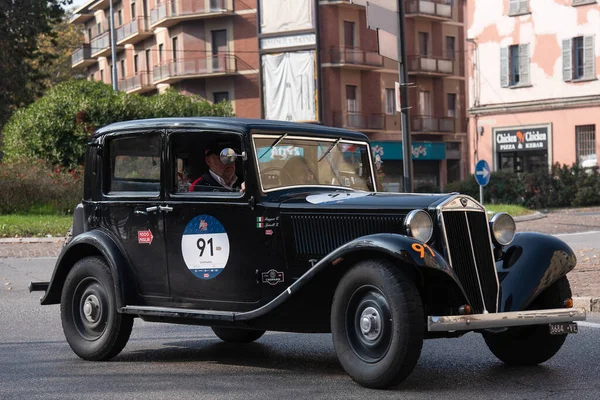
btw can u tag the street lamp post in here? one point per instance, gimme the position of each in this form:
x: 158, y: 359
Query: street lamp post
x: 113, y: 47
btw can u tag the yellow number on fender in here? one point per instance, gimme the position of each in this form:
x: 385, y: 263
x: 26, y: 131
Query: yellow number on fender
x: 420, y: 248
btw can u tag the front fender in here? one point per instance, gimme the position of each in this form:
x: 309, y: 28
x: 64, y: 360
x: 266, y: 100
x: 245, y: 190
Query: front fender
x: 529, y: 265
x: 396, y: 246
x: 90, y: 243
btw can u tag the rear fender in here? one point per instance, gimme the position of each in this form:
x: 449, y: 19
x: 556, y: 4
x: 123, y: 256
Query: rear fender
x: 92, y: 243
x: 531, y: 264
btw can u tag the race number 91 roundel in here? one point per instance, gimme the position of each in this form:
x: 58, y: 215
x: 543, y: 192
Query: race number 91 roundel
x: 205, y: 247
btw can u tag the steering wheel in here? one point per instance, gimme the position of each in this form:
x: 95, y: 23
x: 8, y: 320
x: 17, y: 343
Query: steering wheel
x: 280, y: 170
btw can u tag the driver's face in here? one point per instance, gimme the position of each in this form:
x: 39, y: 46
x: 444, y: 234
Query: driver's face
x: 224, y: 171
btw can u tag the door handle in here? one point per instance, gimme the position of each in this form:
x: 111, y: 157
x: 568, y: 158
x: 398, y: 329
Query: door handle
x: 152, y: 209
x: 165, y: 208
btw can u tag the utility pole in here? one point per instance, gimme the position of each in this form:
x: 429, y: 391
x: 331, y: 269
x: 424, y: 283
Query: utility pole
x: 404, y: 112
x: 113, y: 47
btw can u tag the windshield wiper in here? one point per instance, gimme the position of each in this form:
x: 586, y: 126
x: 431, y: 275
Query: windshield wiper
x: 330, y: 148
x: 275, y: 143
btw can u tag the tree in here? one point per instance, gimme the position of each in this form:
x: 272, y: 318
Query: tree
x: 21, y: 24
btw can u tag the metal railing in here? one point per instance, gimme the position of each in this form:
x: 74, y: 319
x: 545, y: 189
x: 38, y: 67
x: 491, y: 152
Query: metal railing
x: 100, y: 43
x: 431, y: 64
x: 357, y: 120
x: 217, y: 64
x: 436, y: 8
x: 138, y: 81
x: 181, y: 8
x: 356, y: 56
x: 425, y: 123
x: 84, y: 52
x: 136, y: 26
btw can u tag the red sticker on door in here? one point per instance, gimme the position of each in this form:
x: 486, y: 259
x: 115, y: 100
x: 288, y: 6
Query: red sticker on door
x: 145, y: 237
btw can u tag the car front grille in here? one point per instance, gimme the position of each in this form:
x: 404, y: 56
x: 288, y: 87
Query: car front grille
x: 469, y: 250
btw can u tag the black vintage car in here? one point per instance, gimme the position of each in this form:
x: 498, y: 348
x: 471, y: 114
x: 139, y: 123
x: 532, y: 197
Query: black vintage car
x: 289, y: 233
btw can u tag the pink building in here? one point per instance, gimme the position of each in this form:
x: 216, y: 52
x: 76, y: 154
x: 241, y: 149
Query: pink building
x: 534, y: 93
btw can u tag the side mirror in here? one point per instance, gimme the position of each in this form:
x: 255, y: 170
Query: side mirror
x: 228, y: 156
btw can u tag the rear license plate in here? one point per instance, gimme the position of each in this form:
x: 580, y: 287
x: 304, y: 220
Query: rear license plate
x: 563, y: 328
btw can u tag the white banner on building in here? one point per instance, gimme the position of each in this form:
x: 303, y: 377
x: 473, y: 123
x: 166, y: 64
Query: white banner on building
x: 285, y: 15
x: 289, y: 86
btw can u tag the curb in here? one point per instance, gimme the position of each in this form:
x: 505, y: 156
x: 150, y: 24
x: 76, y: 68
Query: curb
x: 54, y: 239
x: 590, y: 304
x: 531, y: 217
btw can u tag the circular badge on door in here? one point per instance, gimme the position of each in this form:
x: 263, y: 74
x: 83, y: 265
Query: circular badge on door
x: 205, y: 246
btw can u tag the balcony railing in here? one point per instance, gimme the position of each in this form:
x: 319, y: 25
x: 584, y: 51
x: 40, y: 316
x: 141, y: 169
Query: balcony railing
x: 82, y: 57
x: 357, y: 120
x: 424, y: 123
x: 100, y: 45
x: 355, y: 56
x: 431, y: 65
x: 137, y: 83
x: 194, y: 67
x: 133, y: 31
x: 432, y: 8
x: 168, y: 13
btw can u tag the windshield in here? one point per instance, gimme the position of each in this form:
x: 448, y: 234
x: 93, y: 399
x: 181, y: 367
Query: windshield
x: 285, y: 160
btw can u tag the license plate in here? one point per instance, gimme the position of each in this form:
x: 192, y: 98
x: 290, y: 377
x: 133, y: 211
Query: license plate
x: 563, y: 328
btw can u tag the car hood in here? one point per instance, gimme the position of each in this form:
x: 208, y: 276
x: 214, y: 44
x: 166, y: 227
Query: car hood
x: 342, y: 200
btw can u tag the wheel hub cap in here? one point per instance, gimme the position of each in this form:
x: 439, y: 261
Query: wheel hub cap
x: 91, y: 308
x: 370, y: 323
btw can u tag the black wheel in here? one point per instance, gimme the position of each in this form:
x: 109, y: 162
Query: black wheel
x: 377, y: 324
x: 237, y: 335
x: 93, y: 327
x: 531, y: 345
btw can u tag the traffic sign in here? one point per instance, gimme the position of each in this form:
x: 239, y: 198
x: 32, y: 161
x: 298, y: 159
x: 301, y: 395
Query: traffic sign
x: 482, y: 173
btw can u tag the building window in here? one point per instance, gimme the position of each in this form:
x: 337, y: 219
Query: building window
x: 451, y: 99
x: 120, y: 17
x: 122, y: 68
x: 99, y: 28
x: 174, y: 48
x: 135, y: 64
x: 518, y: 7
x: 349, y: 35
x: 133, y: 10
x: 101, y: 75
x: 220, y: 96
x: 352, y: 98
x: 160, y: 53
x: 423, y: 43
x: 585, y: 140
x: 89, y: 34
x: 390, y: 101
x: 579, y: 58
x: 514, y: 65
x: 148, y: 66
x: 450, y: 47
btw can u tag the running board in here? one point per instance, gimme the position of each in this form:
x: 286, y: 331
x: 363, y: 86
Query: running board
x: 178, y: 313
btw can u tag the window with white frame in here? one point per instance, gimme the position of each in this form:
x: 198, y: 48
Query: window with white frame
x: 585, y: 141
x: 390, y: 101
x: 579, y: 58
x: 518, y: 7
x: 514, y: 65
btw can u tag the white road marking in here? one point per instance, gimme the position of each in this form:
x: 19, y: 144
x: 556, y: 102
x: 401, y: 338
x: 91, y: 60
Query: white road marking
x: 577, y: 233
x: 589, y: 324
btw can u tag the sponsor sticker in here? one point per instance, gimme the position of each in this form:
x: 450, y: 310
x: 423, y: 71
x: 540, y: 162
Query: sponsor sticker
x: 205, y: 247
x: 272, y: 277
x: 269, y: 232
x: 145, y: 237
x: 333, y: 198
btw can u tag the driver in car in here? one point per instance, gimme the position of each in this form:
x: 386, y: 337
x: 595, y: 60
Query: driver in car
x: 219, y: 176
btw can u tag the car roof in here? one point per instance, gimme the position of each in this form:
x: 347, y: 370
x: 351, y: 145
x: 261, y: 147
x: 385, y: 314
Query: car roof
x: 244, y: 124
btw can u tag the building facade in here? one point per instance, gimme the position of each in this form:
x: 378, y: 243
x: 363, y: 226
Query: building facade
x: 534, y: 94
x: 300, y: 60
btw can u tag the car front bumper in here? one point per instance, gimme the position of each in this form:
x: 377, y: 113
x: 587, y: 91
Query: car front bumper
x: 503, y: 320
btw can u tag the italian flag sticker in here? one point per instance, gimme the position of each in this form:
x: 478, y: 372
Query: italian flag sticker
x: 260, y: 222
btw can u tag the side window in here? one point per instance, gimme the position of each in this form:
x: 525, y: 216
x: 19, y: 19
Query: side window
x: 198, y: 167
x: 134, y: 165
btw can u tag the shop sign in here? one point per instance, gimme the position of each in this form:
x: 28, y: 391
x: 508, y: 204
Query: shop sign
x: 420, y: 150
x: 522, y: 139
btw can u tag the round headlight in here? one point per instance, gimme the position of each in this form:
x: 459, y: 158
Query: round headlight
x: 503, y: 228
x: 419, y: 225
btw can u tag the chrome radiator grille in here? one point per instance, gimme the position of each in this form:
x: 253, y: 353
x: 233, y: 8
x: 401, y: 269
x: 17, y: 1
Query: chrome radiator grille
x: 470, y: 254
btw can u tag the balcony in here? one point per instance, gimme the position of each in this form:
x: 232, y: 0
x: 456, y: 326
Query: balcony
x: 355, y: 58
x: 139, y: 83
x: 438, y: 10
x: 174, y: 11
x: 100, y: 45
x: 189, y: 68
x: 430, y: 65
x: 82, y: 57
x: 357, y: 120
x: 134, y: 31
x: 428, y: 124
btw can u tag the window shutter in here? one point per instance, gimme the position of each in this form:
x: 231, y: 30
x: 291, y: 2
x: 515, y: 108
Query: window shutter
x: 514, y: 7
x: 524, y: 64
x: 524, y: 6
x: 589, y: 59
x: 567, y: 55
x: 504, y: 67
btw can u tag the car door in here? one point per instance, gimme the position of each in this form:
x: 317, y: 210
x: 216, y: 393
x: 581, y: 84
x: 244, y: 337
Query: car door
x: 212, y: 246
x: 130, y: 209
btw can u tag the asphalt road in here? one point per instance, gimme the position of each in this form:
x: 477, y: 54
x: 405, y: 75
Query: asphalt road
x: 177, y: 361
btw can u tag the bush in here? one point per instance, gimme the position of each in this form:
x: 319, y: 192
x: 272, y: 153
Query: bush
x: 34, y: 187
x: 56, y: 127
